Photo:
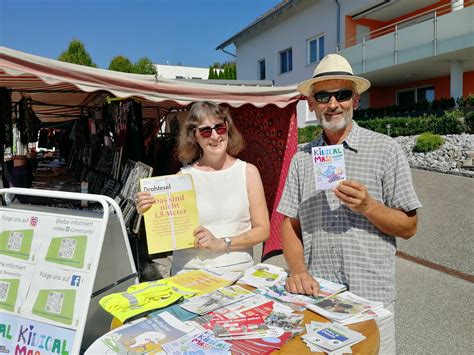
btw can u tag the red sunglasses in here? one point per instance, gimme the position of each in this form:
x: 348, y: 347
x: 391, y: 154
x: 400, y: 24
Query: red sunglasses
x: 206, y: 132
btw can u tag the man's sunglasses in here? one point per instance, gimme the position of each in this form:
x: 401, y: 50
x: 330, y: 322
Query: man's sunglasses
x: 325, y: 96
x: 206, y: 132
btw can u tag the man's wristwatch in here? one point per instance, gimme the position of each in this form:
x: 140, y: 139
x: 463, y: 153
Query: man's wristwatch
x: 228, y: 243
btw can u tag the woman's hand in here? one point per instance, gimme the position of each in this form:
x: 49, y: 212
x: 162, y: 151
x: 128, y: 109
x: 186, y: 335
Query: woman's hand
x: 144, y: 201
x: 204, y: 239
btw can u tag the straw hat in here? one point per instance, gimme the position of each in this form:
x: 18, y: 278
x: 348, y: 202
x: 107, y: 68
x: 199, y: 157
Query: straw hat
x: 333, y: 66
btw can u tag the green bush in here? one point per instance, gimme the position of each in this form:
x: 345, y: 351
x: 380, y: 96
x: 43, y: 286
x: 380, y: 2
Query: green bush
x: 428, y: 142
x: 308, y: 133
x: 469, y: 122
x: 449, y: 123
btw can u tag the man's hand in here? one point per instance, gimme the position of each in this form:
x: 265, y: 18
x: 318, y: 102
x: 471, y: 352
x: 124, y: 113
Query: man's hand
x: 354, y: 195
x: 302, y: 283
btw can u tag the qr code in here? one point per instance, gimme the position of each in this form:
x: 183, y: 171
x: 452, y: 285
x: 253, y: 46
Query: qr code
x: 14, y: 241
x: 67, y: 248
x: 54, y: 304
x: 4, y: 287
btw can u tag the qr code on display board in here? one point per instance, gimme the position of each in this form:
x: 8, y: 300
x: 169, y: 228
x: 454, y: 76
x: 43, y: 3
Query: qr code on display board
x: 54, y: 303
x: 14, y: 241
x: 67, y: 249
x: 4, y: 287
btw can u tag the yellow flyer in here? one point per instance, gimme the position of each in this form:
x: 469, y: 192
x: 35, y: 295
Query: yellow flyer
x: 170, y: 222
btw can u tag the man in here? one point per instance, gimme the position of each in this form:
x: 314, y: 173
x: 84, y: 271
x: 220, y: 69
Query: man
x: 347, y: 235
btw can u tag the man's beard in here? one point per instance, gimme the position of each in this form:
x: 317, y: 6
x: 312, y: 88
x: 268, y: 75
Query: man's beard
x: 339, y: 124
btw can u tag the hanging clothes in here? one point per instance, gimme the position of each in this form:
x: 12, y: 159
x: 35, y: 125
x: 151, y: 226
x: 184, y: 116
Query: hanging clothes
x: 6, y: 129
x: 43, y: 138
x: 125, y: 121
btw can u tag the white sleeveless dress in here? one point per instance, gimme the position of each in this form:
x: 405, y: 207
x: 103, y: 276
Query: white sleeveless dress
x: 223, y: 208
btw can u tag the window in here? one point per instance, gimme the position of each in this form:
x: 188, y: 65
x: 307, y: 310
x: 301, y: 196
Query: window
x: 261, y: 69
x: 425, y: 94
x: 315, y: 49
x: 286, y: 61
x: 411, y: 96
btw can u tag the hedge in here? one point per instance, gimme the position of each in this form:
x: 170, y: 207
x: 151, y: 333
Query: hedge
x: 450, y: 123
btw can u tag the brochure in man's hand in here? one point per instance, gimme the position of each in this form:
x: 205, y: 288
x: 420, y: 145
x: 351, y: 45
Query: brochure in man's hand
x: 170, y: 222
x: 329, y: 166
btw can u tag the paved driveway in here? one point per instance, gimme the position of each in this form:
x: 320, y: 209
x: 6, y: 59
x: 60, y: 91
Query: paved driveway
x: 446, y: 222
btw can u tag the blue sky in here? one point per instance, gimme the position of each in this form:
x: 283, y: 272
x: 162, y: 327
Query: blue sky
x: 166, y: 31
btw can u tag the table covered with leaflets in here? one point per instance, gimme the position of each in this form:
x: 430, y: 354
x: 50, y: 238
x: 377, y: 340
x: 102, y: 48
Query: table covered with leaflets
x: 214, y: 312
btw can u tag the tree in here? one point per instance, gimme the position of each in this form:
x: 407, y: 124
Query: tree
x: 77, y: 54
x: 122, y: 64
x: 211, y: 73
x: 226, y: 71
x: 144, y: 66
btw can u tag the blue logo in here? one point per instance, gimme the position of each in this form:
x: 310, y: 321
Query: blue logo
x: 75, y: 280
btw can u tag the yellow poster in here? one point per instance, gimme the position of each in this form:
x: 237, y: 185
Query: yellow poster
x: 170, y: 222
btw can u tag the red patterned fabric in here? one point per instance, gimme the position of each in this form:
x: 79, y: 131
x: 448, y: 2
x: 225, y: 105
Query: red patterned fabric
x: 271, y: 138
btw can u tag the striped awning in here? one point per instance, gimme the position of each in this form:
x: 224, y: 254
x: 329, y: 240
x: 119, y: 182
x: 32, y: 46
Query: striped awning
x: 59, y: 91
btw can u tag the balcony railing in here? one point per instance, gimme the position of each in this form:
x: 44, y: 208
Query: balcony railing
x: 430, y: 33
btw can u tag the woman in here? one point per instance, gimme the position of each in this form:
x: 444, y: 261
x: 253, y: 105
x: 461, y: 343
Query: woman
x: 230, y: 197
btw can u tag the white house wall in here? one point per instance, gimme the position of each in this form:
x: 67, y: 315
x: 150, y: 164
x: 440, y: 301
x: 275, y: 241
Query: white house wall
x: 290, y: 32
x: 312, y: 18
x: 292, y: 29
x: 181, y: 72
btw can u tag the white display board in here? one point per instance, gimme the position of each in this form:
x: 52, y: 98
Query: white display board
x: 50, y: 279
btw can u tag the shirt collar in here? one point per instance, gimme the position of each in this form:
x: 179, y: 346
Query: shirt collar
x: 351, y: 142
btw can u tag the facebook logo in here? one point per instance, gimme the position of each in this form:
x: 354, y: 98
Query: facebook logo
x: 75, y: 280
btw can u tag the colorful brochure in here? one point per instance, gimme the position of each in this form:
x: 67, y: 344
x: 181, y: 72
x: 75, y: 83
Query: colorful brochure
x: 329, y: 166
x: 170, y: 222
x: 197, y: 342
x: 263, y: 275
x: 205, y: 280
x: 143, y: 336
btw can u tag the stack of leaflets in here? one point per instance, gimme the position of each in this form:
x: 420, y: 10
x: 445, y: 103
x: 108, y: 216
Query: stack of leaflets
x: 205, y: 280
x: 263, y: 275
x: 331, y: 338
x: 344, y: 307
x: 241, y: 320
x: 280, y: 323
x: 216, y: 299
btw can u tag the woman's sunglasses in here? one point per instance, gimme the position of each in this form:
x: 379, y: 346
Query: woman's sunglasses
x: 206, y: 132
x: 325, y: 96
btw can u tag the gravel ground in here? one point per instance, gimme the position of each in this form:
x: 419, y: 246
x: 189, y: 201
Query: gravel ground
x: 447, y: 159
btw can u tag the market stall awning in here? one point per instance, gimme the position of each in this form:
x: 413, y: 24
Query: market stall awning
x: 60, y: 90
